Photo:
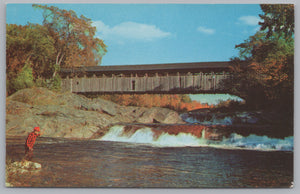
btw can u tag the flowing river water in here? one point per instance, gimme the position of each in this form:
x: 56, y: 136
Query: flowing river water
x: 147, y: 157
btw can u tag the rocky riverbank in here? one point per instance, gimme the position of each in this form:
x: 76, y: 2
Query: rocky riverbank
x: 70, y: 115
x: 272, y: 123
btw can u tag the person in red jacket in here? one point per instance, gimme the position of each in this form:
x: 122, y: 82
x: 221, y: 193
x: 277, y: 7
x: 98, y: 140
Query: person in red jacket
x: 30, y: 143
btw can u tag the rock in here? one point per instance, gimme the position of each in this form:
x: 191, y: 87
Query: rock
x: 160, y: 115
x: 25, y: 167
x: 84, y: 103
x: 105, y: 106
x: 17, y: 108
x: 8, y: 184
x: 70, y: 115
x: 34, y: 96
x: 29, y: 165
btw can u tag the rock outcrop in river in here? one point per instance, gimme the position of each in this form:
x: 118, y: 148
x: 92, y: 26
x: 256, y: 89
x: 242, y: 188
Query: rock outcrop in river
x: 70, y: 115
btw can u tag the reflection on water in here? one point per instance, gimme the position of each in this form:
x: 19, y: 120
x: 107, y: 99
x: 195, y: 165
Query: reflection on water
x: 69, y: 163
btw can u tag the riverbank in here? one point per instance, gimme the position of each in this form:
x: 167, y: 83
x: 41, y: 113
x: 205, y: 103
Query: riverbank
x: 272, y: 123
x: 68, y: 115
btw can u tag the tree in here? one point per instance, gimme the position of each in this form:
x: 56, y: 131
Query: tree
x: 74, y: 38
x: 16, y: 49
x: 263, y: 74
x: 278, y: 18
x: 64, y: 40
x: 29, y: 44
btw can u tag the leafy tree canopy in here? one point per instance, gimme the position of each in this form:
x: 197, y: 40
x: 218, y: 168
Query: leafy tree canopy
x: 75, y: 41
x: 263, y: 73
x: 64, y: 40
x: 32, y: 43
x: 278, y: 18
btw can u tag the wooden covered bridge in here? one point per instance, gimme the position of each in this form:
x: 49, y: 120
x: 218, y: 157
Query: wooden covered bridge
x: 200, y: 77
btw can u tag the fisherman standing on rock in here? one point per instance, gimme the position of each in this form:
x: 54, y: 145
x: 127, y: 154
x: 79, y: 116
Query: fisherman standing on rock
x: 30, y: 142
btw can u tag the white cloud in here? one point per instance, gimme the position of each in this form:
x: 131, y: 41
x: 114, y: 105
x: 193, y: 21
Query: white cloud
x: 101, y: 27
x: 206, y: 30
x: 130, y: 31
x: 249, y: 20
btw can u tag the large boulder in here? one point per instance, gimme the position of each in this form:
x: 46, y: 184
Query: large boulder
x: 42, y: 96
x: 160, y: 115
x: 56, y: 121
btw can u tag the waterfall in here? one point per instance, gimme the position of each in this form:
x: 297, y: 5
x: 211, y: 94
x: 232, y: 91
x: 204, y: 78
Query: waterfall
x: 146, y: 135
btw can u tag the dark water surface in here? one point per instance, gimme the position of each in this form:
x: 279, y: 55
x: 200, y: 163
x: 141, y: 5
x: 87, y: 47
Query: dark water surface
x: 67, y: 163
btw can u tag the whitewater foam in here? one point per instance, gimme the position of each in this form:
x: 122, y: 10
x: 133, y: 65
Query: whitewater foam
x: 235, y: 141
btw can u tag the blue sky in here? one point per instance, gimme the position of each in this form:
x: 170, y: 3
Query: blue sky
x: 160, y: 33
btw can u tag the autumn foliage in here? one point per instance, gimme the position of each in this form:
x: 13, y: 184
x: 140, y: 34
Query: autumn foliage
x: 175, y: 101
x: 35, y: 53
x: 263, y: 73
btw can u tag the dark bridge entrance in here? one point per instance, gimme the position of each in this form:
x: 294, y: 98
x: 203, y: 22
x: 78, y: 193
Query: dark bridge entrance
x: 202, y: 77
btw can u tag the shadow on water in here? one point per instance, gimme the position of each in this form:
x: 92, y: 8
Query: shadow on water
x: 69, y: 163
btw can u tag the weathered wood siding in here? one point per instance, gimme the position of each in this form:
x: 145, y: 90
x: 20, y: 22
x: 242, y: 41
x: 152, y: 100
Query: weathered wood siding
x: 174, y: 83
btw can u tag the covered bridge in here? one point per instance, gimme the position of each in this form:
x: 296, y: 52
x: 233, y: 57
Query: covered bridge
x: 156, y: 78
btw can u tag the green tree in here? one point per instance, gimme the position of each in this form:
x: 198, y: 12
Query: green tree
x: 24, y: 78
x: 278, y: 18
x: 28, y: 44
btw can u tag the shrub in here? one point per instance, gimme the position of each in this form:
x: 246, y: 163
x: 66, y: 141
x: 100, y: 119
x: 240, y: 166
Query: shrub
x: 54, y: 83
x: 24, y: 78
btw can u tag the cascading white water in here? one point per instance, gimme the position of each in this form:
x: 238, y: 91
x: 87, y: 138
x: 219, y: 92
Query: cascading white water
x: 260, y: 142
x: 235, y: 141
x: 116, y: 133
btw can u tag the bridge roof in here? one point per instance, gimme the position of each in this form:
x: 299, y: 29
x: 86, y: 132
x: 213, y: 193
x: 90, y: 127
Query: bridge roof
x: 167, y: 67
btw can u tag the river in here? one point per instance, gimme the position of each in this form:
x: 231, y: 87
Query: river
x: 145, y: 158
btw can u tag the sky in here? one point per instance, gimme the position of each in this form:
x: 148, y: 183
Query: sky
x: 161, y: 33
